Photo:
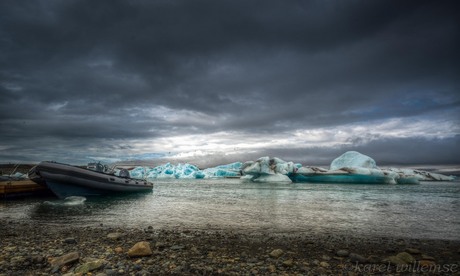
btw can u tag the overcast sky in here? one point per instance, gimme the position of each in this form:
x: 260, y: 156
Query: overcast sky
x: 222, y: 81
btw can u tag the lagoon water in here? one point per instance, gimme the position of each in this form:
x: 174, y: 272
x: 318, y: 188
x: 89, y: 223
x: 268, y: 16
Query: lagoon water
x: 428, y: 210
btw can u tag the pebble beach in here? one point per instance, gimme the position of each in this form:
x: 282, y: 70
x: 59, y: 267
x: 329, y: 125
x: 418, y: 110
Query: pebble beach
x: 43, y: 249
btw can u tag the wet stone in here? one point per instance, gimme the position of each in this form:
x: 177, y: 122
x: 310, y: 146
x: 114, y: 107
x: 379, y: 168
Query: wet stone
x: 177, y: 247
x: 413, y: 251
x: 90, y: 266
x: 70, y: 241
x: 429, y: 258
x: 114, y: 236
x: 140, y: 249
x: 342, y: 253
x: 395, y: 261
x: 324, y: 264
x: 276, y: 253
x: 356, y: 258
x: 66, y: 259
x: 406, y: 257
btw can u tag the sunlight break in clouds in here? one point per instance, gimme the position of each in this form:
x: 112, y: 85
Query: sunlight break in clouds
x: 182, y: 146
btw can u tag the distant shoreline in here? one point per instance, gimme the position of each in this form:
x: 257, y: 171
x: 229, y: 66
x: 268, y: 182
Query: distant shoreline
x: 10, y: 168
x: 7, y: 168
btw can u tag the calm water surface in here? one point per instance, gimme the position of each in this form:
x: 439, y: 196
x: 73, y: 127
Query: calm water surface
x: 428, y: 210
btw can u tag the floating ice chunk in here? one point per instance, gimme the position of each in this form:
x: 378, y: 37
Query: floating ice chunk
x: 363, y: 171
x: 267, y: 165
x: 353, y: 159
x: 311, y: 170
x: 429, y: 176
x: 169, y: 170
x: 236, y: 166
x: 354, y: 167
x: 283, y: 167
x: 252, y: 168
x: 351, y: 167
x: 187, y: 171
x: 213, y: 173
x: 68, y: 201
x: 264, y: 165
x: 138, y: 173
x: 15, y: 176
x: 229, y: 170
x: 266, y: 169
x: 411, y: 175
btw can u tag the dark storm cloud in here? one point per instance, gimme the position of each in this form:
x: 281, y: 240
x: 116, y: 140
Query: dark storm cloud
x: 101, y: 70
x: 401, y: 151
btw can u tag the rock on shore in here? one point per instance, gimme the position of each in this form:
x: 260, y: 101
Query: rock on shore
x: 28, y: 249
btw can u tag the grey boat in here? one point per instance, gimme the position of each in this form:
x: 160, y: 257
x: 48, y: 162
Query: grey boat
x: 66, y: 180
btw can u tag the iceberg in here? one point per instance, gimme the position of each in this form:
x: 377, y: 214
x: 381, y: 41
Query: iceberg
x: 186, y: 171
x: 407, y: 176
x: 169, y: 170
x: 268, y: 170
x: 354, y: 167
x: 229, y: 170
x: 14, y: 176
x: 353, y: 159
x: 351, y: 167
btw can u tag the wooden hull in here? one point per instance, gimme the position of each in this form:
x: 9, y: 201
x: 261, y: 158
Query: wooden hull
x: 66, y: 180
x: 19, y: 188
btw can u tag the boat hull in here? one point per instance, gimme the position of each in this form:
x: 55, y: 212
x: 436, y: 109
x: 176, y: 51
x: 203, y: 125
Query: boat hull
x: 66, y: 180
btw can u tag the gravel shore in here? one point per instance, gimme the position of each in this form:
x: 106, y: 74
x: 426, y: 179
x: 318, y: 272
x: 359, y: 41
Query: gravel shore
x: 43, y: 249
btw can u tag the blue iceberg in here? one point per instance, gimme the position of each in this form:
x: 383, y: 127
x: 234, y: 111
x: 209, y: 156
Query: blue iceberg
x: 229, y: 170
x: 186, y: 171
x: 351, y: 167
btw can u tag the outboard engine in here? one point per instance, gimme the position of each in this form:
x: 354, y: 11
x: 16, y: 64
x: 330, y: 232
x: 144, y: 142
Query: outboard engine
x: 124, y: 173
x: 99, y: 167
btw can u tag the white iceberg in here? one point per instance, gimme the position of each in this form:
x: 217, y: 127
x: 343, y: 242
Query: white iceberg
x: 353, y: 159
x: 411, y: 175
x: 268, y: 170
